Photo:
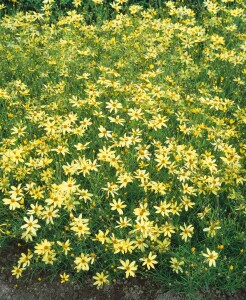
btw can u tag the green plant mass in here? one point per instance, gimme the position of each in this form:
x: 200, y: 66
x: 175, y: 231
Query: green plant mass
x: 122, y: 130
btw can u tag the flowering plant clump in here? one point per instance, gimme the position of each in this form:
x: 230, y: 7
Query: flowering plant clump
x: 122, y: 144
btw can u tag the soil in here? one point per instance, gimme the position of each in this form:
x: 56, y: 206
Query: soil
x: 131, y: 289
x: 125, y: 290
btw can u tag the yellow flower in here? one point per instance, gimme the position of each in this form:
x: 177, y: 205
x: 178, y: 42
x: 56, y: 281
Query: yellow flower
x: 117, y: 205
x: 123, y: 222
x: 65, y: 246
x: 49, y: 213
x: 111, y: 189
x: 187, y: 231
x: 80, y: 226
x: 61, y: 150
x: 176, y: 265
x: 212, y: 229
x: 31, y: 225
x: 141, y: 212
x: 100, y: 279
x: 64, y: 277
x: 25, y: 259
x: 13, y: 202
x: 82, y: 262
x: 19, y: 131
x: 163, y: 208
x: 43, y: 248
x: 168, y: 229
x: 211, y: 257
x: 130, y: 268
x: 49, y: 257
x: 17, y: 271
x: 149, y: 261
x: 101, y: 236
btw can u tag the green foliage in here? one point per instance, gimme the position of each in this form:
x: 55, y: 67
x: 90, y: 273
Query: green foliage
x: 122, y: 143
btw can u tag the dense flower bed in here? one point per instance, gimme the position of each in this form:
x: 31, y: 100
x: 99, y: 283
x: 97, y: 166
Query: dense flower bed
x: 121, y: 144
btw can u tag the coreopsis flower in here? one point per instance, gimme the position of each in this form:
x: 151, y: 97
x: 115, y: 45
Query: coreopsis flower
x: 35, y: 209
x: 65, y: 246
x: 43, y: 248
x: 61, y: 150
x: 49, y: 258
x: 176, y: 265
x: 168, y: 229
x: 101, y: 236
x: 80, y: 226
x: 211, y: 257
x: 49, y: 213
x: 82, y: 262
x: 19, y: 131
x: 129, y: 268
x: 25, y: 259
x: 16, y: 191
x: 162, y: 161
x: 104, y: 133
x: 17, y: 271
x: 114, y: 106
x: 163, y: 208
x: 123, y: 222
x: 31, y: 225
x: 124, y: 179
x: 118, y: 205
x: 135, y: 8
x: 77, y: 3
x: 64, y: 277
x: 211, y: 230
x: 100, y: 279
x: 149, y: 261
x: 187, y: 203
x: 142, y: 212
x: 13, y: 202
x: 187, y: 232
x: 140, y: 244
x: 111, y: 189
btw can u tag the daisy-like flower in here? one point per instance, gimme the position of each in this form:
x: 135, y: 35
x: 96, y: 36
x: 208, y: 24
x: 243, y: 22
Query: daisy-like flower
x: 141, y: 212
x: 82, y: 262
x: 123, y: 222
x: 64, y: 277
x: 13, y: 202
x: 211, y: 257
x: 111, y: 189
x: 211, y: 230
x: 100, y: 279
x: 65, y: 246
x: 101, y: 236
x: 168, y: 229
x: 149, y: 261
x: 163, y: 208
x: 176, y: 265
x: 130, y: 268
x: 25, y: 259
x: 61, y: 150
x: 187, y: 231
x: 31, y: 224
x: 19, y: 131
x: 117, y: 205
x: 49, y: 213
x: 113, y: 106
x: 43, y: 248
x: 104, y: 133
x: 17, y: 271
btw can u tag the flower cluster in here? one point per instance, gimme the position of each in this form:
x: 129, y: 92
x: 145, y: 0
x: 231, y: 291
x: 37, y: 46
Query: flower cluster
x: 121, y: 145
